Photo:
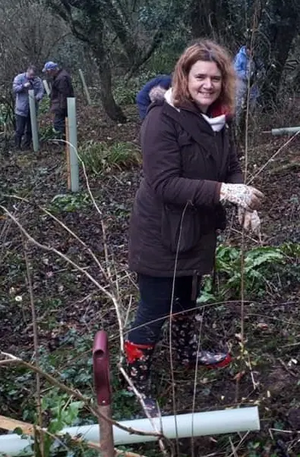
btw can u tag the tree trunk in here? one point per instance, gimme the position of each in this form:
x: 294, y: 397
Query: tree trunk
x: 200, y: 18
x: 296, y: 82
x: 282, y: 32
x: 90, y: 30
x: 113, y: 110
x: 110, y: 107
x: 210, y: 19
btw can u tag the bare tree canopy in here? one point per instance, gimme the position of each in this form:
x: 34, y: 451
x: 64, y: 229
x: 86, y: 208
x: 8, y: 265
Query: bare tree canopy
x: 118, y: 38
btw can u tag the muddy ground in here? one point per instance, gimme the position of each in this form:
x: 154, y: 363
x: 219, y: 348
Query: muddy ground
x: 70, y: 309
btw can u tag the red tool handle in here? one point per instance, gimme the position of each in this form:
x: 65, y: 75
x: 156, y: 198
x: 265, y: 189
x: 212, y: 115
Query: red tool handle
x: 101, y: 369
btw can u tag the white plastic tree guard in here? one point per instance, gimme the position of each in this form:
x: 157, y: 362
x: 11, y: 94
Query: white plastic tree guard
x: 33, y: 120
x: 186, y: 425
x: 285, y: 131
x: 72, y: 136
x: 85, y: 87
x: 46, y: 87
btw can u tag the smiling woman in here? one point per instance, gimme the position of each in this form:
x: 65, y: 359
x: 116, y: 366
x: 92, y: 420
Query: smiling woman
x: 204, y: 84
x: 190, y: 167
x: 205, y: 67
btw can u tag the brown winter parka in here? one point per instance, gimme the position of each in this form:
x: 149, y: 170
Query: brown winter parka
x: 176, y: 211
x: 62, y: 88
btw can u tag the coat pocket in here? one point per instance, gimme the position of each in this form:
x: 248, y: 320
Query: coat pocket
x: 180, y: 229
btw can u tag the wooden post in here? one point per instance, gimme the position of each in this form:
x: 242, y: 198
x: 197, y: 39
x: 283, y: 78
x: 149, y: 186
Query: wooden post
x: 103, y: 392
x: 72, y: 138
x: 85, y: 88
x: 33, y: 120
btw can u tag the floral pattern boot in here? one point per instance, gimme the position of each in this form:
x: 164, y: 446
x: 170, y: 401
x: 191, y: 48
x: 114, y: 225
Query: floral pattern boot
x: 185, y: 344
x: 139, y: 360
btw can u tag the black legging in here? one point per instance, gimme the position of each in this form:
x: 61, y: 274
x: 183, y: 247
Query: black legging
x: 155, y: 305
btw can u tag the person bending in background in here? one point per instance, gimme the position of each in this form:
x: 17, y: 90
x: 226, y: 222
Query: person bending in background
x: 22, y: 83
x: 61, y: 89
x: 151, y: 91
x: 249, y: 71
x: 190, y: 168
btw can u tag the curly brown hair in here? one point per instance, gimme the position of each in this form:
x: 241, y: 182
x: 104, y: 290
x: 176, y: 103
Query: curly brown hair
x: 207, y: 51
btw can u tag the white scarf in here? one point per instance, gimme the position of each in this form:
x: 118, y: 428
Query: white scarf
x: 169, y: 99
x: 216, y: 123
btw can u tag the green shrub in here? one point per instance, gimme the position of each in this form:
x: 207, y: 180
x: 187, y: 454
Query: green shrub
x: 125, y: 95
x: 260, y: 266
x: 98, y: 157
x: 47, y: 133
x: 68, y: 203
x: 44, y: 105
x: 6, y: 116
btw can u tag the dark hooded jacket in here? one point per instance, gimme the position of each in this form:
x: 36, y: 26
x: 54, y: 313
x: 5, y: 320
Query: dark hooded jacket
x: 176, y: 211
x: 61, y: 89
x: 143, y: 99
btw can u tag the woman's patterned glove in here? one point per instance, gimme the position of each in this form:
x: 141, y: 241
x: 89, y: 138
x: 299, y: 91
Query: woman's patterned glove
x: 244, y: 196
x: 249, y: 220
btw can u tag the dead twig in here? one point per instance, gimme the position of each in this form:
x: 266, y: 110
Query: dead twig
x: 287, y: 369
x: 234, y: 453
x: 36, y: 346
x: 272, y: 158
x: 86, y: 273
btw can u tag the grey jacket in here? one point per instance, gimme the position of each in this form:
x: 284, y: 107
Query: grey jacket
x: 22, y: 98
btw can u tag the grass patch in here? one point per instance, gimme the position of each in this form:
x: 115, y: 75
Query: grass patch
x: 99, y: 157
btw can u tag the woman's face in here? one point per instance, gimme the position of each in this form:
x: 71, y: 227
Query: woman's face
x: 204, y: 83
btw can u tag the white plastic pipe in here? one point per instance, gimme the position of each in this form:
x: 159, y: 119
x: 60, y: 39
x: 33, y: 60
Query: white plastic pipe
x: 285, y: 131
x: 33, y: 120
x: 85, y: 88
x: 187, y: 425
x: 72, y: 125
x: 46, y: 86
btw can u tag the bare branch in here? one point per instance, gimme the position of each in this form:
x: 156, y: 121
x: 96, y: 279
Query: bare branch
x: 76, y: 394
